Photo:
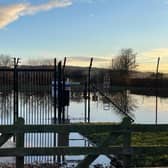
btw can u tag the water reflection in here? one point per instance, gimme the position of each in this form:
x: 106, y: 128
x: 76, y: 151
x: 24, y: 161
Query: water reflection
x: 124, y: 100
x: 6, y: 104
x: 37, y: 108
x: 34, y: 107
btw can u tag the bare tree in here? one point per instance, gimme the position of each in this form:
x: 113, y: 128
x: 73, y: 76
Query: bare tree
x: 5, y: 60
x: 126, y: 61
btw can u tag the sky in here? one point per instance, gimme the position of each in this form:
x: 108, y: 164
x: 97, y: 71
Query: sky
x: 80, y: 29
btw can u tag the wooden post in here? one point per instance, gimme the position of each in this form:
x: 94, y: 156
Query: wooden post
x: 127, y: 142
x: 20, y: 142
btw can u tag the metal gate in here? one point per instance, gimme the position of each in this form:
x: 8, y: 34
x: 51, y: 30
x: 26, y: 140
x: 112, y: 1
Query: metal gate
x: 26, y: 93
x: 37, y: 95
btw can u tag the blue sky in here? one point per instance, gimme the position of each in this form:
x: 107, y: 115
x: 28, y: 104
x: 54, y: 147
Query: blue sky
x: 84, y: 28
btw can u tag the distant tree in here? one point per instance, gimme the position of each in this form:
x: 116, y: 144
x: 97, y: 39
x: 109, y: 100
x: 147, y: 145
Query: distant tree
x: 125, y: 61
x: 48, y: 62
x: 5, y: 60
x: 39, y: 62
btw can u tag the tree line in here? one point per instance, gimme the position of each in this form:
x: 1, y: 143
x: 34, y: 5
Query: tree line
x: 125, y: 61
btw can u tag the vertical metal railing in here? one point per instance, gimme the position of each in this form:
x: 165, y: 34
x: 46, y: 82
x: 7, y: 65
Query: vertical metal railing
x: 59, y: 92
x: 55, y: 90
x: 63, y: 91
x: 29, y: 93
x: 157, y: 77
x: 6, y: 96
x: 89, y: 86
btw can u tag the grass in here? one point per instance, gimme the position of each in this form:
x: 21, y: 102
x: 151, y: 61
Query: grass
x: 140, y: 139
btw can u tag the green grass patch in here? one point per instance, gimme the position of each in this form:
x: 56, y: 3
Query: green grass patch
x: 138, y: 139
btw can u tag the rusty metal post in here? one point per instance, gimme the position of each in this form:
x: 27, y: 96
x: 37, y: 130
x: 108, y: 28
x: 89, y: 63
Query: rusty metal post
x: 85, y: 101
x: 157, y: 73
x: 63, y: 90
x: 15, y: 88
x: 55, y: 90
x: 89, y: 80
x: 59, y: 92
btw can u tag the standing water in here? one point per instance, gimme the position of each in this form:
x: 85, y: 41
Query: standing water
x: 37, y: 108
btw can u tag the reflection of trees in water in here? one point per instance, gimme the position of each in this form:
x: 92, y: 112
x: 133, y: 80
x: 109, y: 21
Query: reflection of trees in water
x: 76, y: 96
x: 36, y: 100
x: 121, y: 98
x: 6, y: 103
x: 37, y: 93
x: 36, y: 107
x: 33, y: 106
x: 26, y: 97
x: 124, y: 100
x: 43, y: 101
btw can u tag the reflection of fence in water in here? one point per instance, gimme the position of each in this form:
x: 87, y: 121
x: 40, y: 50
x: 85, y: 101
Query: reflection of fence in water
x: 35, y: 103
x: 45, y: 140
x: 35, y: 109
x: 28, y: 92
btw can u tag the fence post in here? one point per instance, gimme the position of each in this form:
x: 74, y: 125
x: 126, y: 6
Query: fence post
x: 89, y: 80
x: 19, y: 142
x: 15, y: 85
x: 85, y: 98
x: 59, y: 92
x: 156, y: 87
x: 55, y: 90
x: 127, y: 142
x: 63, y: 90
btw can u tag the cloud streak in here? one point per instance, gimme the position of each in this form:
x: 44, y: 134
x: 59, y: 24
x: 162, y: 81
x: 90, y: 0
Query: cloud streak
x: 159, y: 52
x: 85, y: 61
x: 147, y: 60
x: 12, y: 12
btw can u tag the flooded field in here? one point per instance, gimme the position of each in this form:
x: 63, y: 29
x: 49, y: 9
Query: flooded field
x: 37, y: 108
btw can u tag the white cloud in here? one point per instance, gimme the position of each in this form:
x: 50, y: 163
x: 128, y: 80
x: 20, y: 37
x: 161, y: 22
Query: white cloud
x: 85, y: 61
x: 12, y: 12
x: 47, y: 6
x: 91, y: 1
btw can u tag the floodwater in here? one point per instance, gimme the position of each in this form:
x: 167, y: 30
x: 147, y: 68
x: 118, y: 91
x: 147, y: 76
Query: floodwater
x: 38, y: 108
x: 140, y: 107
